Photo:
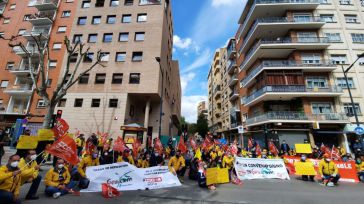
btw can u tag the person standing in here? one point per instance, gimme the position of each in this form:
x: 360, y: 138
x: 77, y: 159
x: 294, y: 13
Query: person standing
x: 10, y: 181
x: 30, y: 174
x: 177, y: 165
x: 328, y: 171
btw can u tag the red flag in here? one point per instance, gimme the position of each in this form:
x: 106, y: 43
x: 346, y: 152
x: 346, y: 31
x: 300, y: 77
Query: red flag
x: 258, y: 151
x: 104, y: 137
x: 119, y: 145
x: 60, y: 128
x: 193, y: 143
x: 324, y: 149
x: 108, y: 191
x: 217, y: 142
x: 250, y: 143
x: 158, y: 147
x: 207, y: 144
x: 335, y: 153
x: 181, y: 145
x: 65, y: 148
x: 136, y: 146
x: 272, y: 148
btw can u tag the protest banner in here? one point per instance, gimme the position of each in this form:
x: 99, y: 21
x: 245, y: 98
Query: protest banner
x: 27, y: 142
x: 303, y: 148
x: 60, y: 128
x: 45, y: 135
x: 249, y: 168
x: 125, y: 177
x: 65, y: 148
x: 304, y: 168
x: 347, y: 170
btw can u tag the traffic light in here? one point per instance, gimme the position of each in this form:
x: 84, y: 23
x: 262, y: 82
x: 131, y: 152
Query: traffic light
x: 59, y: 114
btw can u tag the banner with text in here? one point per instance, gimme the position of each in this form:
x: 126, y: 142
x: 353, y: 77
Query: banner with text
x: 248, y: 168
x: 125, y: 177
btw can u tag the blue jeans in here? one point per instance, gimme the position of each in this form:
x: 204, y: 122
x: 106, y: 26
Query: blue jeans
x: 34, y: 187
x: 50, y: 190
x: 7, y: 197
x: 331, y: 178
x: 361, y: 176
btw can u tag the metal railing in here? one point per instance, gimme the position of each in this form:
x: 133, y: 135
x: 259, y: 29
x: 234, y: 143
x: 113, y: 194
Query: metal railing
x: 289, y: 88
x: 22, y: 87
x: 149, y: 2
x: 43, y: 14
x: 231, y: 65
x: 30, y: 49
x: 282, y: 63
x: 231, y: 48
x: 55, y: 2
x: 233, y: 93
x: 300, y: 116
x: 44, y: 32
x: 233, y: 78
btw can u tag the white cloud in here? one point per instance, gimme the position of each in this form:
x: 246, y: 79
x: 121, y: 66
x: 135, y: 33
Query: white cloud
x: 202, y: 59
x: 217, y: 3
x: 180, y: 43
x: 185, y: 79
x: 189, y: 107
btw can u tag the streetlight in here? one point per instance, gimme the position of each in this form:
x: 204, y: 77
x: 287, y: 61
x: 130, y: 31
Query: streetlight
x: 345, y: 71
x: 158, y: 59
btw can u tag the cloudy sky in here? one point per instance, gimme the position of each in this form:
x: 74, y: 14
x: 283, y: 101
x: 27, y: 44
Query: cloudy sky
x: 200, y: 27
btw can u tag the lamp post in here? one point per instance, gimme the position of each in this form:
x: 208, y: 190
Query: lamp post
x: 158, y: 59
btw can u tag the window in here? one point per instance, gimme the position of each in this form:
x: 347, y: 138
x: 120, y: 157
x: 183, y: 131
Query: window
x: 120, y: 57
x: 321, y: 108
x: 111, y: 19
x: 81, y: 20
x: 113, y: 103
x: 4, y: 84
x: 74, y: 58
x: 32, y: 2
x: 95, y: 103
x: 117, y: 78
x: 328, y: 18
x: 67, y: 78
x: 107, y: 37
x: 139, y: 36
x: 311, y: 58
x: 348, y: 108
x: 66, y: 14
x: 351, y: 18
x: 362, y: 2
x: 92, y: 38
x: 89, y: 57
x: 114, y: 3
x: 21, y: 31
x: 341, y: 82
x: 302, y: 17
x: 137, y: 56
x: 12, y: 6
x: 134, y: 78
x: 41, y: 103
x: 78, y: 102
x: 9, y: 65
x: 316, y: 82
x: 123, y: 37
x: 6, y: 21
x: 52, y: 63
x: 57, y: 46
x: 345, y: 2
x: 142, y: 17
x: 77, y: 38
x: 361, y: 61
x: 96, y: 20
x: 62, y: 102
x: 128, y: 2
x: 84, y: 79
x: 100, y: 78
x: 86, y: 4
x: 126, y: 18
x: 357, y: 37
x: 149, y: 2
x: 333, y: 37
x: 338, y: 59
x: 62, y: 29
x: 100, y: 3
x: 105, y: 56
x: 49, y: 83
x: 26, y: 17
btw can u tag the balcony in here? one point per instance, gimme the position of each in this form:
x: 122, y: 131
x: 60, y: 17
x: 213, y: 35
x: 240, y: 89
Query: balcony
x: 233, y: 81
x: 231, y: 50
x: 45, y: 5
x: 217, y: 91
x: 217, y: 69
x: 297, y: 117
x: 282, y: 47
x: 264, y: 27
x: 42, y: 18
x: 33, y: 51
x: 231, y: 67
x: 233, y: 96
x: 288, y: 92
x: 286, y: 65
x: 20, y: 71
x: 43, y: 34
x: 24, y: 89
x: 258, y: 9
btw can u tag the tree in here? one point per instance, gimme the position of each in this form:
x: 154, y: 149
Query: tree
x: 202, y: 125
x: 39, y: 73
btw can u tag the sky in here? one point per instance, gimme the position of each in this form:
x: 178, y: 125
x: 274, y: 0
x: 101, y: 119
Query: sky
x: 200, y: 28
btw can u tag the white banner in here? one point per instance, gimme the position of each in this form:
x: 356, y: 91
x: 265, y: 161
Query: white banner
x: 124, y: 177
x: 248, y: 168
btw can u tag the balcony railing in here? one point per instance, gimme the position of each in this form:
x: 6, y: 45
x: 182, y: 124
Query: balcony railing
x: 19, y: 88
x: 231, y: 48
x: 289, y: 88
x: 282, y: 63
x: 231, y: 66
x: 30, y: 49
x: 233, y: 80
x: 149, y: 2
x: 44, y: 32
x: 296, y: 116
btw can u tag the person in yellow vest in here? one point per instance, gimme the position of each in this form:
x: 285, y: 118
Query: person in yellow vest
x: 213, y: 154
x: 58, y: 180
x: 328, y: 171
x: 10, y: 181
x: 30, y: 174
x: 87, y: 160
x: 342, y: 151
x: 177, y: 165
x: 80, y: 142
x: 228, y: 161
x: 145, y: 161
x: 126, y: 157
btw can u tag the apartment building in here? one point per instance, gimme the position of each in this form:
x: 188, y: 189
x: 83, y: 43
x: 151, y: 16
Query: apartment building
x: 202, y: 109
x: 289, y: 55
x: 29, y: 18
x: 138, y: 91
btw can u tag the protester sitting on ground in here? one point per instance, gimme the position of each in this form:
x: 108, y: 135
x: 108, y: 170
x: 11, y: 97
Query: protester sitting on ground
x: 107, y: 156
x: 193, y: 173
x: 328, y: 171
x: 360, y: 169
x: 57, y: 180
x: 10, y: 181
x: 306, y: 177
x: 87, y: 160
x: 30, y: 174
x: 264, y: 154
x: 177, y: 165
x: 126, y: 157
x: 145, y: 161
x: 201, y: 177
x: 228, y: 161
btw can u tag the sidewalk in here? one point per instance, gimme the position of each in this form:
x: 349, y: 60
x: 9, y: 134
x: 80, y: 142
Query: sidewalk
x: 8, y: 153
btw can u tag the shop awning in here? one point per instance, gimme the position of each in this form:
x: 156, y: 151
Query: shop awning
x: 133, y: 127
x: 350, y: 128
